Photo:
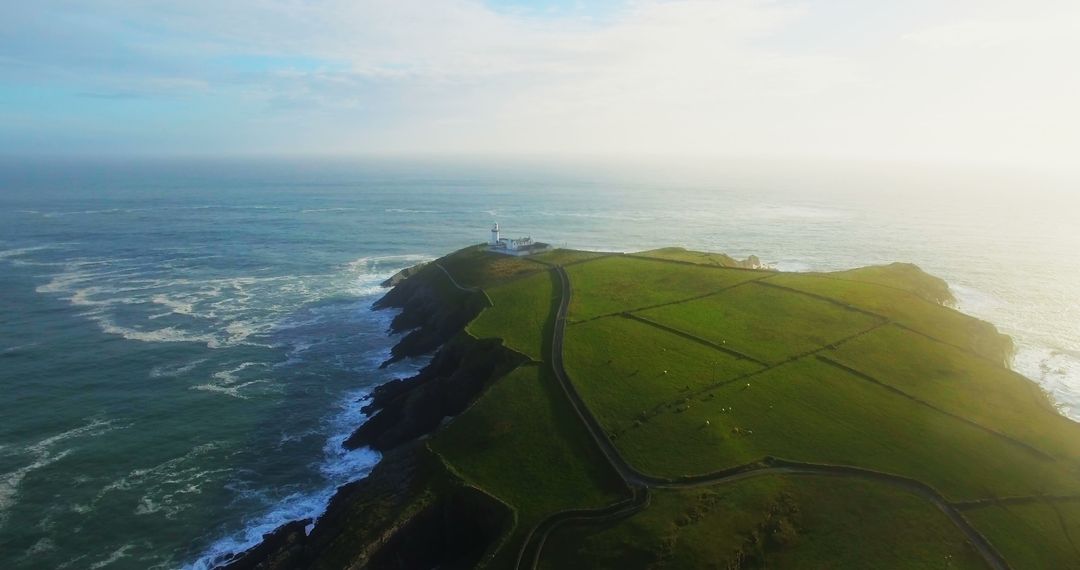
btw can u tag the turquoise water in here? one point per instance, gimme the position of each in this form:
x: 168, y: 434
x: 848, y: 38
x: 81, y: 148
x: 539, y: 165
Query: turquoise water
x: 182, y: 345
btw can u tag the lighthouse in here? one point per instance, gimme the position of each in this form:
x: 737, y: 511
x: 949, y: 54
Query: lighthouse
x: 495, y: 235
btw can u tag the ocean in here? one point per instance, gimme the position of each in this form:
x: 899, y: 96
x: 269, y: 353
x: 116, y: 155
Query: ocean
x: 184, y: 344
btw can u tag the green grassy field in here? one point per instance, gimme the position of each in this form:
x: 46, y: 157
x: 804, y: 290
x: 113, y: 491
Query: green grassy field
x: 565, y: 256
x: 772, y: 522
x: 765, y: 322
x: 689, y: 256
x: 910, y: 310
x: 1036, y: 535
x: 521, y: 314
x: 810, y: 411
x: 475, y: 266
x: 675, y: 399
x: 964, y: 385
x: 903, y: 276
x: 618, y: 365
x: 521, y: 443
x: 618, y: 283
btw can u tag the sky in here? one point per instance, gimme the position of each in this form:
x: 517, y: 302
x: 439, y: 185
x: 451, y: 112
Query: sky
x: 974, y: 81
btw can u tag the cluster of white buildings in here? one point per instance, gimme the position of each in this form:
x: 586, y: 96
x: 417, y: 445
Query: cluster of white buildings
x: 519, y: 246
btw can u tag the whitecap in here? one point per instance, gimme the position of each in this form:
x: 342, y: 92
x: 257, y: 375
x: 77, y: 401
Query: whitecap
x: 321, y: 210
x: 178, y: 307
x: 1055, y: 371
x: 790, y: 266
x: 339, y: 466
x: 18, y: 348
x: 42, y: 455
x: 115, y: 556
x: 409, y: 211
x: 974, y: 301
x: 170, y: 371
x: 42, y: 546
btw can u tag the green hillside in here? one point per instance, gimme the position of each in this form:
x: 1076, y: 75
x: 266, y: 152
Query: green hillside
x: 673, y: 411
x: 688, y: 374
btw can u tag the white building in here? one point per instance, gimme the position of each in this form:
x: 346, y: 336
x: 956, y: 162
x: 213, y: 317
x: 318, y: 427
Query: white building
x: 519, y: 246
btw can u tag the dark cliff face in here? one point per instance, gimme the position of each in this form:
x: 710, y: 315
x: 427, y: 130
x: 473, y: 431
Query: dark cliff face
x: 415, y: 406
x: 433, y: 310
x: 409, y: 512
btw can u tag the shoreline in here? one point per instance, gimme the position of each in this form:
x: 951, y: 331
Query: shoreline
x: 340, y: 466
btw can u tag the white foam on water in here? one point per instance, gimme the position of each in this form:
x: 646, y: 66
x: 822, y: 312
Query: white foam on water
x: 611, y: 216
x: 339, y: 466
x: 172, y: 371
x: 115, y: 556
x: 18, y: 348
x: 163, y: 486
x: 229, y: 383
x: 9, y: 254
x: 218, y: 312
x: 320, y: 210
x: 1054, y: 369
x: 43, y: 454
x: 790, y: 266
x: 231, y: 391
x: 178, y: 307
x: 42, y: 546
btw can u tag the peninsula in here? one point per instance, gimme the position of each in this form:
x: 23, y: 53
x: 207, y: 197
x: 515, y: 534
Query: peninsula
x: 679, y: 409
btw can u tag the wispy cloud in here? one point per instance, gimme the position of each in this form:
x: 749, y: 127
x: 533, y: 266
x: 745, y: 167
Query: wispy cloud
x: 642, y: 76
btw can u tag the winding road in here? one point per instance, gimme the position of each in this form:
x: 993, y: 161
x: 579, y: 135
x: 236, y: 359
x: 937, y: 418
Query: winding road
x: 640, y: 484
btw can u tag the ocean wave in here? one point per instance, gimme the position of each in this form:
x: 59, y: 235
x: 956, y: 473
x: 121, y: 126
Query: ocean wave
x: 612, y: 216
x: 772, y: 213
x: 21, y: 251
x: 172, y: 371
x: 791, y: 265
x: 322, y: 210
x: 115, y: 556
x: 42, y: 454
x: 12, y: 350
x: 230, y: 383
x: 217, y: 312
x: 339, y: 466
x: 1056, y: 371
x: 163, y: 487
x: 409, y: 211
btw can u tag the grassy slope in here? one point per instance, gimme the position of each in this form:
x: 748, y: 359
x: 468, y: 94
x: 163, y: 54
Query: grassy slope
x: 904, y: 276
x: 810, y: 411
x: 1037, y: 535
x: 765, y: 322
x: 618, y: 366
x: 805, y: 410
x: 803, y: 522
x: 521, y: 314
x: 689, y: 256
x: 521, y: 443
x: 565, y: 256
x: 474, y: 266
x: 617, y: 283
x: 910, y: 310
x: 965, y: 385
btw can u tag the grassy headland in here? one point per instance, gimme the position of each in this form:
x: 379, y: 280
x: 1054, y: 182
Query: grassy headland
x: 689, y: 412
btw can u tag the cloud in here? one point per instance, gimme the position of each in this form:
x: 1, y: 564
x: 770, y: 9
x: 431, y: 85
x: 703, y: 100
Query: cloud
x: 733, y: 77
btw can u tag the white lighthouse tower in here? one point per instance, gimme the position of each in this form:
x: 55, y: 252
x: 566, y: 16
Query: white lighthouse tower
x: 495, y: 235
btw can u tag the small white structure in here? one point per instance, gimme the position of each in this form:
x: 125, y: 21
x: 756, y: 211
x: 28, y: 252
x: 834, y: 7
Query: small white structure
x: 519, y: 246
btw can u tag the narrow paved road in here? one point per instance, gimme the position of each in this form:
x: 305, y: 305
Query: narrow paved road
x: 640, y: 483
